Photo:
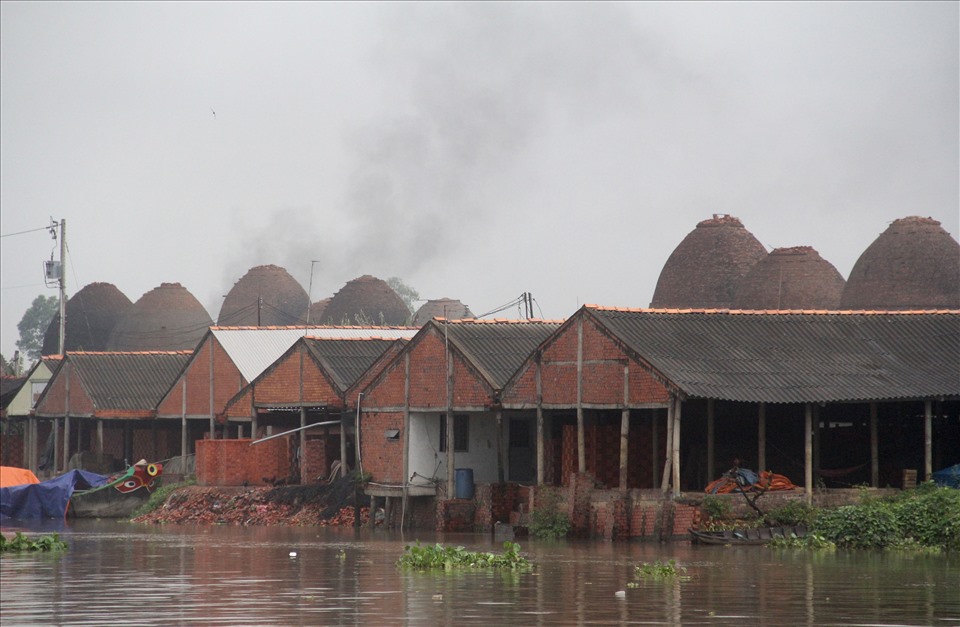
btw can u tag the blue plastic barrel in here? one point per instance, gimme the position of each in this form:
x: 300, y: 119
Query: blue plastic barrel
x: 464, y: 483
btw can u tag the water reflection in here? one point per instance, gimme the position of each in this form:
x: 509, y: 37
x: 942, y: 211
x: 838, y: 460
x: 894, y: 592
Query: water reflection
x: 176, y: 575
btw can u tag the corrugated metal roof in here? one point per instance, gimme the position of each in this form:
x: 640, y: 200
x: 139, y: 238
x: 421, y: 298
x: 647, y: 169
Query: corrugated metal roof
x: 497, y: 347
x: 345, y: 360
x: 253, y: 349
x: 787, y: 357
x: 128, y: 381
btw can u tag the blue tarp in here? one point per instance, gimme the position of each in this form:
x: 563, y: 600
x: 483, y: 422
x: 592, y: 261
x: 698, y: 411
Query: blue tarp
x: 948, y: 477
x: 47, y: 499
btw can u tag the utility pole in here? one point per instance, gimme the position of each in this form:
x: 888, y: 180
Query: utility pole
x: 56, y: 270
x: 63, y: 286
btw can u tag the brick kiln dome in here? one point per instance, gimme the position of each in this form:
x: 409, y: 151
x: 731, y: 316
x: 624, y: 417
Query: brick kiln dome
x: 166, y: 318
x: 790, y: 278
x: 366, y: 300
x: 914, y: 264
x: 284, y: 301
x: 91, y: 315
x: 316, y: 310
x: 448, y: 308
x: 705, y: 269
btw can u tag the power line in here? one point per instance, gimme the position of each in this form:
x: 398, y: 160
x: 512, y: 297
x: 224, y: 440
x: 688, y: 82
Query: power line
x: 43, y: 228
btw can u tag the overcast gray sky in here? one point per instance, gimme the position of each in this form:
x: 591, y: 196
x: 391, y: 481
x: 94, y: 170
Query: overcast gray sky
x: 477, y: 151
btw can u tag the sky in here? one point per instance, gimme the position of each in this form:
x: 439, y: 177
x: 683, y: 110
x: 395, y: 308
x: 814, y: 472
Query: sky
x: 475, y: 150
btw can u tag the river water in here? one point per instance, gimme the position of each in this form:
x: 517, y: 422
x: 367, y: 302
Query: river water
x: 129, y: 574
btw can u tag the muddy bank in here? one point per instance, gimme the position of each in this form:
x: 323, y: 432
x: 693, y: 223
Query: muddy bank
x: 318, y: 504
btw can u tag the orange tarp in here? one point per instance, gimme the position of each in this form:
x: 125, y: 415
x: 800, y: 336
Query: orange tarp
x: 10, y: 476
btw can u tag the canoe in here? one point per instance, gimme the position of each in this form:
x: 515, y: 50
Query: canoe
x: 120, y: 496
x: 762, y: 535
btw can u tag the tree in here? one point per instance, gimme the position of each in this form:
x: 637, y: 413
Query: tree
x: 34, y: 325
x: 407, y: 294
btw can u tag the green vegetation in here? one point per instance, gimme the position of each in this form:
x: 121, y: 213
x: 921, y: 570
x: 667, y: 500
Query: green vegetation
x: 716, y: 508
x: 812, y: 541
x: 548, y: 521
x: 21, y: 543
x: 658, y: 571
x: 928, y: 516
x: 33, y: 325
x: 438, y: 557
x: 792, y: 514
x: 160, y: 496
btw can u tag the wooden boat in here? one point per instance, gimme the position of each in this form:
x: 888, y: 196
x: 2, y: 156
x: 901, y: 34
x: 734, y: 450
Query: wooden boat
x: 120, y: 496
x: 762, y: 535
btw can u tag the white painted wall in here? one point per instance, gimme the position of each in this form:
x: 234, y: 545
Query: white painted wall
x: 22, y: 403
x: 427, y: 460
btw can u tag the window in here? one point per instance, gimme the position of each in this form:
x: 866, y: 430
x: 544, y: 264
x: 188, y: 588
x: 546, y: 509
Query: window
x: 36, y: 388
x: 461, y: 433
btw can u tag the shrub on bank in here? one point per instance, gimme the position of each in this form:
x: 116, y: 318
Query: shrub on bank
x: 928, y: 516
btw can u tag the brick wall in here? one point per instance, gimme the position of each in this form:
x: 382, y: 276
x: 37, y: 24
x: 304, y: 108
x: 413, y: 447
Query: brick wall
x: 382, y: 458
x: 455, y: 515
x: 233, y: 462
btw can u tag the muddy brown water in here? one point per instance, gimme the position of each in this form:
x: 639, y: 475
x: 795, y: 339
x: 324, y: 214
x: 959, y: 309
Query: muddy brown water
x: 130, y: 574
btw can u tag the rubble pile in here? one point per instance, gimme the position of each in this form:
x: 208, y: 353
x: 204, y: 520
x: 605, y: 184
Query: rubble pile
x: 319, y: 505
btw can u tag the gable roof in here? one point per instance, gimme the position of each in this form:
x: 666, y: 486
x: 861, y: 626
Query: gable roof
x: 497, y: 348
x: 124, y: 381
x: 794, y: 356
x: 253, y: 349
x: 345, y: 360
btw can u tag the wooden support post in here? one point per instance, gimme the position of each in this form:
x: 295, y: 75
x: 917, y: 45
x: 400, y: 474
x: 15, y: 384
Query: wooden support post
x: 655, y: 447
x: 213, y: 423
x: 624, y: 448
x: 541, y: 443
x: 711, y: 435
x: 676, y: 447
x: 100, y: 443
x: 66, y: 444
x: 303, y: 446
x: 31, y: 452
x: 344, y: 469
x: 808, y: 452
x: 874, y: 448
x: 183, y: 418
x: 388, y: 514
x: 816, y: 443
x: 406, y: 437
x: 581, y: 438
x: 762, y: 437
x: 451, y: 458
x: 372, y: 520
x: 668, y: 449
x: 625, y: 430
x: 927, y: 441
x: 501, y: 449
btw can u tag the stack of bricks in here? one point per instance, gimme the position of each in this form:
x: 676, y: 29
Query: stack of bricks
x: 683, y: 517
x: 643, y: 520
x: 483, y: 502
x: 455, y: 515
x: 235, y: 462
x: 578, y: 503
x: 502, y: 499
x: 11, y: 450
x: 320, y: 454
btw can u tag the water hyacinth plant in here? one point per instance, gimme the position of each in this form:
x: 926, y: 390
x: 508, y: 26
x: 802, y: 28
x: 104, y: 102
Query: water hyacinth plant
x: 20, y: 543
x: 658, y: 571
x: 439, y: 557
